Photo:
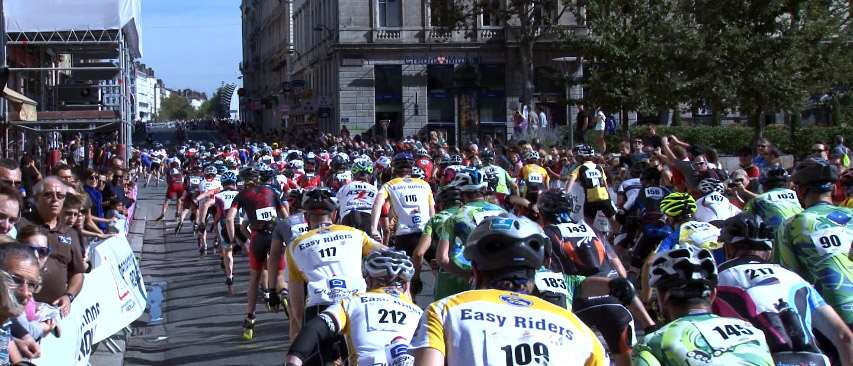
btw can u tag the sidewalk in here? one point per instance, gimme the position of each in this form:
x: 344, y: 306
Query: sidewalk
x: 103, y: 356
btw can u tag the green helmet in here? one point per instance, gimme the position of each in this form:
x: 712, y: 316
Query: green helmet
x: 678, y: 204
x: 362, y: 167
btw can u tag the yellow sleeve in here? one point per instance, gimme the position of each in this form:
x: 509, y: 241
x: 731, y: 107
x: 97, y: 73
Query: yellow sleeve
x: 385, y: 190
x: 598, y: 357
x: 292, y: 268
x: 547, y: 177
x: 368, y: 245
x: 434, y: 328
x: 338, y: 312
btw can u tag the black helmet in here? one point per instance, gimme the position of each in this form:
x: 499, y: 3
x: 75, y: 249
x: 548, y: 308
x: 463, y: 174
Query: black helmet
x: 319, y: 200
x: 776, y: 176
x: 267, y: 175
x: 506, y: 242
x: 487, y: 154
x: 294, y: 198
x: 651, y: 173
x: 685, y: 272
x: 638, y: 168
x: 249, y: 175
x: 816, y: 173
x: 747, y: 231
x: 449, y: 196
x: 555, y: 205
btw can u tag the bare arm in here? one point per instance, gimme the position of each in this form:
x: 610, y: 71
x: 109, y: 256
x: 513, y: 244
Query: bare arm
x: 376, y: 213
x: 827, y: 321
x: 296, y: 297
x: 442, y: 255
x: 428, y: 357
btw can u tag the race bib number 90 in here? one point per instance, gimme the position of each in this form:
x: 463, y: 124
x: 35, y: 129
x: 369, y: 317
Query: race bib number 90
x: 831, y: 241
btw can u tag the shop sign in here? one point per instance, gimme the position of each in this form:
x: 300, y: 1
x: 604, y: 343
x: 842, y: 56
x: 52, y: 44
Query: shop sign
x: 439, y: 60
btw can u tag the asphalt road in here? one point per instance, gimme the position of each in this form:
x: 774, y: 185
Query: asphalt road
x: 191, y: 318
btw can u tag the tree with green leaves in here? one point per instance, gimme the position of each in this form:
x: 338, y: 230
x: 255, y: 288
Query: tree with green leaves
x: 176, y: 107
x: 752, y: 56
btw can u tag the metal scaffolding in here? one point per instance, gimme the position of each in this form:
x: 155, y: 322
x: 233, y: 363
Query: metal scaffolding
x: 89, y: 57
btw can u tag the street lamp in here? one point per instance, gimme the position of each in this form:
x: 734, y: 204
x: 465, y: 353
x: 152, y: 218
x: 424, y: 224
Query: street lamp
x: 571, y: 80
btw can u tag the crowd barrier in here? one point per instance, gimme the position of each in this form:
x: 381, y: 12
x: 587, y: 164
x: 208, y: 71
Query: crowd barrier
x: 112, y: 297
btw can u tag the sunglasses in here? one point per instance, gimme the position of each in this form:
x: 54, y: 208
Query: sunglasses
x: 13, y: 183
x: 41, y: 252
x: 21, y: 282
x: 55, y: 195
x: 817, y: 151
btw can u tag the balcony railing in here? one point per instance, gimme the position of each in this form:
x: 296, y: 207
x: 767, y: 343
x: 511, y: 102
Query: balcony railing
x: 386, y: 35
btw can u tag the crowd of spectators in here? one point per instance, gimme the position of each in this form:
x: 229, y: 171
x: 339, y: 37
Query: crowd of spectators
x: 51, y: 210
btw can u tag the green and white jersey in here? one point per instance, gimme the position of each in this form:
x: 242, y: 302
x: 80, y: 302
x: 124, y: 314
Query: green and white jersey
x: 816, y: 245
x: 503, y: 177
x: 775, y: 206
x: 434, y: 225
x: 704, y: 339
x: 457, y: 227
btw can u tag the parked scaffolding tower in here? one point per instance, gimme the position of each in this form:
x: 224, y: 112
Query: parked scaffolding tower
x: 69, y: 57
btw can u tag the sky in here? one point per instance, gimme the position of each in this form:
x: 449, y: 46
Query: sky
x: 192, y: 44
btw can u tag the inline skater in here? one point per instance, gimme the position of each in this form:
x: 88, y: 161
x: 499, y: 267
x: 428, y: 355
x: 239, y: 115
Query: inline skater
x: 496, y: 324
x: 355, y: 199
x: 772, y: 298
x: 262, y: 207
x: 370, y: 321
x: 685, y: 279
x: 505, y: 184
x: 592, y: 178
x: 224, y: 199
x: 340, y: 173
x: 533, y: 177
x: 577, y: 251
x: 411, y: 202
x: 815, y: 243
x: 324, y: 265
x: 456, y: 229
x: 192, y: 190
x: 713, y: 207
x: 448, y: 202
x: 174, y: 191
x: 209, y: 187
x: 778, y: 203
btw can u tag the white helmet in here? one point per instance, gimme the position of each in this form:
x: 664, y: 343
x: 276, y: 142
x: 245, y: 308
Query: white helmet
x: 388, y: 266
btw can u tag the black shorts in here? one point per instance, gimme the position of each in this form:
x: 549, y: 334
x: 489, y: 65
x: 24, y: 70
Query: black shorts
x: 606, y: 315
x: 326, y: 351
x: 407, y: 242
x: 590, y: 209
x: 357, y: 219
x: 155, y: 166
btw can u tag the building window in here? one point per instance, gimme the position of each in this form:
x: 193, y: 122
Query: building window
x: 492, y: 98
x: 443, y: 13
x: 390, y: 13
x: 440, y: 98
x: 491, y: 13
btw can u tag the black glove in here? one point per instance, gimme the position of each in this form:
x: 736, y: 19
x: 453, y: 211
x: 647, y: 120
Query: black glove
x: 622, y: 290
x: 417, y: 286
x: 273, y: 301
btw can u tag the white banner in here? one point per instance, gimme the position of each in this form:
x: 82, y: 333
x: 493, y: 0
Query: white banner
x: 112, y: 297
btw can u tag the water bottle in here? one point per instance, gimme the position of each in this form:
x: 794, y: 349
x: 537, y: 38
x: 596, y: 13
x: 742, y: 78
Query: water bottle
x: 397, y: 353
x: 793, y: 326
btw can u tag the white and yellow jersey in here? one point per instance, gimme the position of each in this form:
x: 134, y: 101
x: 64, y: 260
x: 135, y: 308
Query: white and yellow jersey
x: 328, y: 260
x: 370, y: 321
x: 411, y: 200
x: 495, y: 327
